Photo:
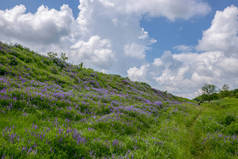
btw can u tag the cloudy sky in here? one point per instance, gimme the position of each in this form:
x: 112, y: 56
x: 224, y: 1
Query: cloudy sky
x: 176, y: 46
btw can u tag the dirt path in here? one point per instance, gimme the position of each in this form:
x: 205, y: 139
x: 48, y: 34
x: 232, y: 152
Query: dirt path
x: 195, y: 136
x: 195, y: 119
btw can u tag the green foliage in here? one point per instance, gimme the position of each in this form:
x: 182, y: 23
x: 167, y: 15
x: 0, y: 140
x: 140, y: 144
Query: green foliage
x: 13, y: 61
x: 225, y: 87
x: 52, y: 55
x: 3, y: 70
x: 232, y: 129
x: 229, y: 119
x: 63, y: 57
x: 80, y: 66
x: 209, y: 89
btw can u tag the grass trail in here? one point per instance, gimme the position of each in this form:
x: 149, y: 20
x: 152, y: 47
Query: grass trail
x: 195, y: 136
x: 213, y: 132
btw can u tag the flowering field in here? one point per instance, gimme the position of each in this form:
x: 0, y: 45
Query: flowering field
x: 52, y: 109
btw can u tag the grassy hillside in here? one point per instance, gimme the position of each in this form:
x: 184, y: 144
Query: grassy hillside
x: 51, y: 109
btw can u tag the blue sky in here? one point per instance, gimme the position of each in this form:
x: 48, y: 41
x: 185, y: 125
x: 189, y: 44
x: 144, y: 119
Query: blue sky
x: 119, y: 37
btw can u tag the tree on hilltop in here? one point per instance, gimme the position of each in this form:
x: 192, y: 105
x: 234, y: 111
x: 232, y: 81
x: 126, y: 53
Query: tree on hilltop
x: 209, y: 89
x: 225, y: 87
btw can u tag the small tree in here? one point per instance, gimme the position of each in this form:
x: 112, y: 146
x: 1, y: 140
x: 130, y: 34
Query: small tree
x: 81, y: 65
x: 52, y: 55
x: 224, y: 91
x: 225, y: 87
x: 63, y: 57
x: 209, y: 89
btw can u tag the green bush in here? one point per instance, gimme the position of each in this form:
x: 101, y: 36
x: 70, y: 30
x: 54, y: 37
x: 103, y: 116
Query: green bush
x: 228, y: 119
x: 13, y: 61
x: 232, y: 129
x: 3, y: 70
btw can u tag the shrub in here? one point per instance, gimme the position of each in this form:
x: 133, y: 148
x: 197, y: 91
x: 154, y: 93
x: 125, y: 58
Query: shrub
x: 52, y: 55
x: 209, y: 89
x: 13, y: 61
x: 54, y: 70
x: 228, y: 120
x: 3, y: 70
x: 63, y: 57
x: 232, y: 129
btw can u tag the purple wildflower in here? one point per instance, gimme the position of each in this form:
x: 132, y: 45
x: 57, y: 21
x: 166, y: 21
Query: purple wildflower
x: 115, y: 142
x: 30, y: 149
x: 158, y: 103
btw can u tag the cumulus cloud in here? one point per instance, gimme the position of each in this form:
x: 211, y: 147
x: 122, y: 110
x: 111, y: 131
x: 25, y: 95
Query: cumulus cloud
x: 135, y: 50
x: 185, y: 73
x: 138, y: 74
x: 43, y: 28
x: 128, y: 40
x: 223, y: 33
x: 94, y: 52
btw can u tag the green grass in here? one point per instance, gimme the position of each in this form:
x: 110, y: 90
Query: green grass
x: 51, y: 109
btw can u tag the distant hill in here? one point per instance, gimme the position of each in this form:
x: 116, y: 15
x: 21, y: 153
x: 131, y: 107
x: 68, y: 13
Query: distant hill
x: 52, y: 109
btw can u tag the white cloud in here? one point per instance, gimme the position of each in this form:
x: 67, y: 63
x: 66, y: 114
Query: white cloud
x: 138, y: 74
x: 158, y: 62
x: 135, y: 50
x: 129, y: 41
x: 94, y: 52
x: 167, y: 8
x: 43, y: 28
x: 183, y: 48
x: 223, y: 33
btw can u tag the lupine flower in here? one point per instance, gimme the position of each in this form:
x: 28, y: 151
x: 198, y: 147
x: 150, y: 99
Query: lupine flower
x: 30, y: 149
x: 60, y: 130
x: 115, y: 142
x: 24, y: 148
x: 158, y: 103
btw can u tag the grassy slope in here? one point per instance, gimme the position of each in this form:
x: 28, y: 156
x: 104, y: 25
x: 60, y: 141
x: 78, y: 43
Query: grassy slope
x: 50, y: 109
